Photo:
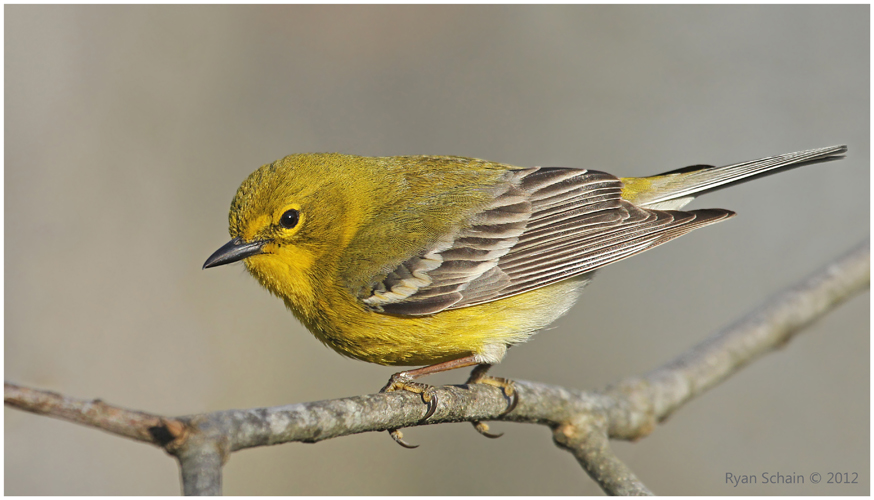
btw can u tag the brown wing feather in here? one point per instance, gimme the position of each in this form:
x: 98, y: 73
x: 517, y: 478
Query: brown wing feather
x: 436, y: 279
x: 549, y: 224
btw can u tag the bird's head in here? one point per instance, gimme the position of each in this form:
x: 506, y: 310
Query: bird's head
x: 288, y: 219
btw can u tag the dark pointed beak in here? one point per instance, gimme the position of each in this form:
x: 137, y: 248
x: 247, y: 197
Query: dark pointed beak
x: 233, y: 251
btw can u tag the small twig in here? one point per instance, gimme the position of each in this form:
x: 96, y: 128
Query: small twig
x: 587, y: 440
x: 200, y: 462
x: 137, y: 425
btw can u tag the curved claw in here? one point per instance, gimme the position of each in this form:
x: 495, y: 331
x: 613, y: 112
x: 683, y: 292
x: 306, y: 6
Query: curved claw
x: 431, y: 401
x: 484, y: 430
x: 399, y: 439
x: 514, y: 400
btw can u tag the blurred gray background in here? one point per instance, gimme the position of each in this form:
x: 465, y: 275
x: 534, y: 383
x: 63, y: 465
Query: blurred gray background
x: 129, y: 128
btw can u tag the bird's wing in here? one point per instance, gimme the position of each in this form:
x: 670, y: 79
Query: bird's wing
x: 547, y: 225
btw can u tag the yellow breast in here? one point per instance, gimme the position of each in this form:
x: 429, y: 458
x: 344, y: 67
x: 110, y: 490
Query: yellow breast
x: 485, y: 330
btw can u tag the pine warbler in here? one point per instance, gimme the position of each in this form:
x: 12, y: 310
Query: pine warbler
x: 447, y: 261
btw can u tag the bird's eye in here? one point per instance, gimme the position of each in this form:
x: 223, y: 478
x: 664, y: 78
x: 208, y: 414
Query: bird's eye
x: 289, y: 219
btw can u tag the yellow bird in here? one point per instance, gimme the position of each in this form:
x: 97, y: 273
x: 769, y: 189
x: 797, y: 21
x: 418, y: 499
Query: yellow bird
x: 447, y: 261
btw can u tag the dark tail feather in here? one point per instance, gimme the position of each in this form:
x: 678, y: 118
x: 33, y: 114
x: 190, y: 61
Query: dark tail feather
x: 692, y: 181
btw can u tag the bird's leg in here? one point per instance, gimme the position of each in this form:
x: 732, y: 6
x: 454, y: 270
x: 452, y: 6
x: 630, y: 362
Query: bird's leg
x: 478, y: 376
x: 404, y: 381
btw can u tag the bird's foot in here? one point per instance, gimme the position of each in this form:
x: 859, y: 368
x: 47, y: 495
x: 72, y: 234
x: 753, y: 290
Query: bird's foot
x: 478, y: 376
x: 402, y: 382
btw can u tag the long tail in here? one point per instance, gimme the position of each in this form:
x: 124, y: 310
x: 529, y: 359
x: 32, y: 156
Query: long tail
x: 672, y: 190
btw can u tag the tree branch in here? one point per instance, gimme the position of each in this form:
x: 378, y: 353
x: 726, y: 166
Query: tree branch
x: 582, y: 421
x: 137, y: 425
x: 772, y: 325
x: 586, y: 439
